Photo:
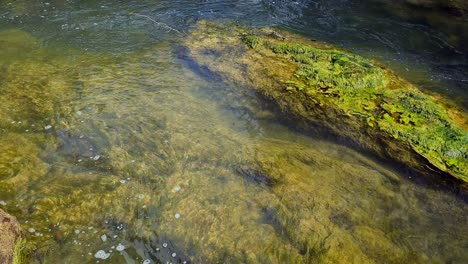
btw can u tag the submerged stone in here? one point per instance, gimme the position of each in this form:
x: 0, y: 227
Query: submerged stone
x: 351, y: 96
x: 101, y: 254
x: 120, y: 247
x: 10, y: 237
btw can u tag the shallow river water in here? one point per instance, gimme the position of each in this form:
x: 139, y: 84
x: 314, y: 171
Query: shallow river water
x: 115, y: 149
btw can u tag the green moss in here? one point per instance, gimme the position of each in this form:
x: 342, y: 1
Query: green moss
x: 359, y: 88
x: 19, y: 256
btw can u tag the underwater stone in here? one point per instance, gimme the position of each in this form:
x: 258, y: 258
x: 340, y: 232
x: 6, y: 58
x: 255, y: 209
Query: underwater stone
x: 31, y: 230
x: 146, y: 261
x: 177, y: 216
x: 120, y: 247
x: 10, y: 237
x: 47, y: 127
x: 101, y: 254
x: 318, y: 85
x: 3, y: 203
x: 104, y: 238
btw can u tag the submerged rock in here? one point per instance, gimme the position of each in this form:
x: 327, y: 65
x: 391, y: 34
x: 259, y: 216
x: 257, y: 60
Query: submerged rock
x: 10, y: 236
x: 351, y: 96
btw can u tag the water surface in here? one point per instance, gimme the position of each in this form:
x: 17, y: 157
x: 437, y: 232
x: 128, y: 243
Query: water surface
x: 114, y: 145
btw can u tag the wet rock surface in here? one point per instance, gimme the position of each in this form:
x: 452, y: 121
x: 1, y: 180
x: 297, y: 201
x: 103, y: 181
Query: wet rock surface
x: 351, y: 96
x: 10, y: 234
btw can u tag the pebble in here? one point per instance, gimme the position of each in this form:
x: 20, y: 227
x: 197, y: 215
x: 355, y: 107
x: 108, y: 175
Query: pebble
x: 177, y: 188
x: 47, y: 127
x: 164, y: 244
x: 101, y: 254
x: 77, y: 231
x: 120, y: 247
x: 177, y: 216
x: 104, y: 238
x: 3, y: 203
x: 31, y: 230
x: 141, y: 196
x: 174, y: 255
x: 146, y: 261
x: 96, y: 157
x: 123, y: 181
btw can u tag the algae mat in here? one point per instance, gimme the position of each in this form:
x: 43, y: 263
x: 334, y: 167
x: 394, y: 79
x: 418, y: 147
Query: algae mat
x: 137, y: 159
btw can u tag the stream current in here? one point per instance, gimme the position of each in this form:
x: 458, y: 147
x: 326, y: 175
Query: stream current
x: 116, y: 148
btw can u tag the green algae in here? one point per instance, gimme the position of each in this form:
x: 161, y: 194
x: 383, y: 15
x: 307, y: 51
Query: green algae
x: 351, y: 95
x: 308, y: 201
x: 359, y: 88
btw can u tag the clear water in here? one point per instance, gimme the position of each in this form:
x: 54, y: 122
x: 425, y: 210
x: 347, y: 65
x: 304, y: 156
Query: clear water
x: 108, y: 137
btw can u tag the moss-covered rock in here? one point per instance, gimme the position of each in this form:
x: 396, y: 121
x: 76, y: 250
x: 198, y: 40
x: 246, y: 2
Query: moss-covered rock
x: 10, y: 237
x: 351, y: 96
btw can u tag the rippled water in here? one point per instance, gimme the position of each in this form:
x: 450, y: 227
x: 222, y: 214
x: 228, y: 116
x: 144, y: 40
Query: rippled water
x: 113, y: 145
